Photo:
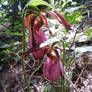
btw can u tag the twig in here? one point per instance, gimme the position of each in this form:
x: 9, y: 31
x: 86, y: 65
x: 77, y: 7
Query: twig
x: 35, y: 71
x: 73, y: 39
x: 71, y: 83
x: 30, y: 65
x: 34, y: 62
x: 75, y: 35
x: 79, y: 75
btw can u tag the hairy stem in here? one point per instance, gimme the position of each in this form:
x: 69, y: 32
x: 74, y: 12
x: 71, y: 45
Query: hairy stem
x: 64, y: 59
x: 24, y: 46
x: 64, y: 53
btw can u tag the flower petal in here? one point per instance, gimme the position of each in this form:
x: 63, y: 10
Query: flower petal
x: 51, y: 70
x: 39, y: 53
x: 64, y: 21
x: 39, y: 37
x: 45, y: 22
x: 27, y: 20
x: 59, y: 18
x: 38, y: 23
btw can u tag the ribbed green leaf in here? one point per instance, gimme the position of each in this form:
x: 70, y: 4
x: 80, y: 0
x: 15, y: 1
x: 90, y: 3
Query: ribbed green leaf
x: 31, y: 7
x: 35, y: 3
x: 48, y: 88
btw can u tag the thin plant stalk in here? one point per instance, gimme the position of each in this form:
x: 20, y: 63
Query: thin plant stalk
x: 64, y: 53
x: 64, y: 59
x: 24, y: 46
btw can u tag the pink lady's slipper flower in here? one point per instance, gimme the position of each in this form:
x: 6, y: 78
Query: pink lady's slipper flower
x: 34, y: 21
x: 36, y: 34
x: 39, y: 37
x: 53, y: 68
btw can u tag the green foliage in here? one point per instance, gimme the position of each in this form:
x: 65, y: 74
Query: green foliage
x: 67, y: 44
x: 3, y: 1
x: 72, y: 58
x: 8, y: 53
x: 88, y: 33
x: 11, y: 2
x: 33, y: 5
x: 62, y: 4
x: 48, y: 88
x: 38, y: 2
x: 74, y: 17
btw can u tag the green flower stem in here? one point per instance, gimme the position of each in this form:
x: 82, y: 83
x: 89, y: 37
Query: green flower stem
x: 24, y: 46
x: 64, y: 59
x: 64, y: 53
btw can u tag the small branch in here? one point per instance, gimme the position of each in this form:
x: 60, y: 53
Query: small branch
x: 31, y: 66
x: 71, y: 83
x: 35, y: 71
x: 73, y: 40
x: 79, y: 75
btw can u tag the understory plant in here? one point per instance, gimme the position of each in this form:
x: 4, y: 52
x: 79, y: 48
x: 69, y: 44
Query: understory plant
x: 33, y: 20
